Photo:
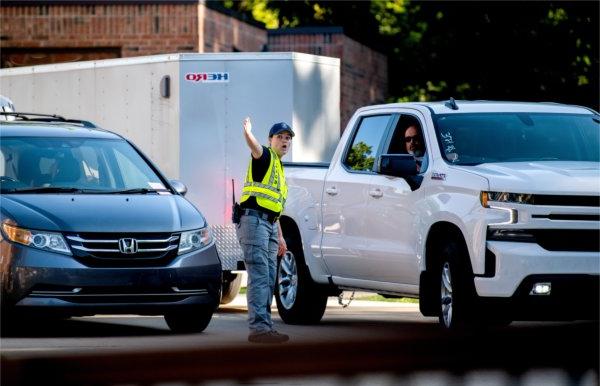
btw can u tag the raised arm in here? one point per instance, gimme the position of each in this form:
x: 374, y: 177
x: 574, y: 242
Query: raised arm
x: 255, y: 147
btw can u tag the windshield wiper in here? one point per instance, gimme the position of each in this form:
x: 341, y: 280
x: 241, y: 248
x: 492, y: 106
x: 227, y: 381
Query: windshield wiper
x: 44, y: 189
x: 134, y: 191
x: 58, y: 189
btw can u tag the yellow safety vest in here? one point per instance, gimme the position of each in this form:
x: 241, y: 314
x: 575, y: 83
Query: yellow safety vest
x: 271, y: 192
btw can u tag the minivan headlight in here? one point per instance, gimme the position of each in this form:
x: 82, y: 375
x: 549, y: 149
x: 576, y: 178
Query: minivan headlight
x: 192, y: 240
x: 48, y: 241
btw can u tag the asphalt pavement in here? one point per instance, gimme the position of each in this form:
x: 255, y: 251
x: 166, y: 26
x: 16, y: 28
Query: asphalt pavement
x: 367, y: 343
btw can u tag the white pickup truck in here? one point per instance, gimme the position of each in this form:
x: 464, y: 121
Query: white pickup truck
x: 497, y: 221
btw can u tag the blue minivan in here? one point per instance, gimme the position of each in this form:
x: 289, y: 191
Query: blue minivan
x: 89, y: 225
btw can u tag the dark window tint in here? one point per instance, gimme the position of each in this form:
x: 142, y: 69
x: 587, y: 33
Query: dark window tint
x: 363, y: 150
x: 470, y: 139
x: 407, y: 138
x: 398, y: 144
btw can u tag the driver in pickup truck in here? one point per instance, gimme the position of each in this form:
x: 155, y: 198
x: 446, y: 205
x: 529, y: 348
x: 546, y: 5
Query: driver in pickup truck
x: 259, y: 232
x: 414, y: 144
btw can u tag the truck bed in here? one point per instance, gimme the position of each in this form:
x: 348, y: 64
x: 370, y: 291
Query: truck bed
x: 296, y: 173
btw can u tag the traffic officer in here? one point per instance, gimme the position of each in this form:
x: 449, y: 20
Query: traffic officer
x: 259, y: 232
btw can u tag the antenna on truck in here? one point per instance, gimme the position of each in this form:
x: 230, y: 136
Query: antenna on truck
x: 451, y: 104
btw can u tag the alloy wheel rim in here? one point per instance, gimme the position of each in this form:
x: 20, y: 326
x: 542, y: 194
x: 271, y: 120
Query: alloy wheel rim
x: 288, y: 280
x: 446, y: 295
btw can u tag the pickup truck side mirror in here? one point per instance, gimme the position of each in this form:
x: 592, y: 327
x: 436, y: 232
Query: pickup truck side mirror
x: 397, y: 165
x: 179, y: 187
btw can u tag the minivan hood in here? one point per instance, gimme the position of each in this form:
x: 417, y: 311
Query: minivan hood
x: 101, y: 213
x: 542, y: 177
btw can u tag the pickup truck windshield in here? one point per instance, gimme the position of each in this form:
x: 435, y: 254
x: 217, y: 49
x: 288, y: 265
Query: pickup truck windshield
x: 68, y: 165
x: 471, y: 139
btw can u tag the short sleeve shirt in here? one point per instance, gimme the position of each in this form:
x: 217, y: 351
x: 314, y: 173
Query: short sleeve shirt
x: 259, y: 169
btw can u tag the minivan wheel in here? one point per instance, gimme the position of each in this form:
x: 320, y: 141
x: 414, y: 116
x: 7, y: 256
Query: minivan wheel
x: 231, y: 288
x: 299, y: 299
x: 189, y: 320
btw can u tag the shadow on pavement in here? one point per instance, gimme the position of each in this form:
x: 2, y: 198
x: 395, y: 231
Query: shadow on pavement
x: 515, y: 350
x: 231, y: 310
x: 71, y: 328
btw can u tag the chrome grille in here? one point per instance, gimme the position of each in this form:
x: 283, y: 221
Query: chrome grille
x: 115, y: 294
x: 102, y: 249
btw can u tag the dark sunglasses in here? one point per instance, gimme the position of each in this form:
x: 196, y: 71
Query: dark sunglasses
x: 413, y: 138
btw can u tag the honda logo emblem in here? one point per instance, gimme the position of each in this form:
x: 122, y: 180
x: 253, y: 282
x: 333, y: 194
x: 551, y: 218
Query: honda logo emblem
x: 128, y: 246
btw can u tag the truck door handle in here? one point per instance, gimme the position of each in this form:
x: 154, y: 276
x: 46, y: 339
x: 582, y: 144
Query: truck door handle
x: 376, y: 193
x: 332, y: 191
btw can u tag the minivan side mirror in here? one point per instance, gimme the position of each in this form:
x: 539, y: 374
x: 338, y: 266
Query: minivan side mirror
x: 179, y: 187
x: 397, y: 165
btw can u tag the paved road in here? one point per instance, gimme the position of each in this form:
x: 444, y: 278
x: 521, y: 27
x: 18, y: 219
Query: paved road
x: 362, y: 319
x: 367, y: 343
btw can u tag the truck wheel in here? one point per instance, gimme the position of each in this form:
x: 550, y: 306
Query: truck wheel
x: 189, y: 320
x: 231, y: 288
x: 299, y: 300
x: 429, y: 293
x: 457, y: 291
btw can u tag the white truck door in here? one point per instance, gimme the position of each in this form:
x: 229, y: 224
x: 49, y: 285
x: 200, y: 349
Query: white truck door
x: 392, y: 215
x: 346, y: 238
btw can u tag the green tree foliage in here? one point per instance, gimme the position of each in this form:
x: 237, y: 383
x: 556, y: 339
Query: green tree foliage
x: 360, y: 158
x: 536, y: 51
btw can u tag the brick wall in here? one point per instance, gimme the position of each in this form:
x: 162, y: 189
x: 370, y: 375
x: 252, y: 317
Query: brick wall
x: 222, y: 33
x: 364, y: 78
x: 50, y: 33
x: 127, y: 29
x: 323, y: 41
x: 57, y: 33
x: 363, y: 70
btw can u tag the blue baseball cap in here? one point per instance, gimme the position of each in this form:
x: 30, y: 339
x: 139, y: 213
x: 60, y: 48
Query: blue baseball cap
x: 280, y: 128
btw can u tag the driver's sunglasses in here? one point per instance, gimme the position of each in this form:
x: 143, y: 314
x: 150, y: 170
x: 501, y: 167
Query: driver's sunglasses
x: 415, y: 138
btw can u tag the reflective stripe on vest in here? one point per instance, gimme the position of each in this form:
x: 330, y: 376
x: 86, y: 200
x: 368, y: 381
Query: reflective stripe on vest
x: 271, y: 192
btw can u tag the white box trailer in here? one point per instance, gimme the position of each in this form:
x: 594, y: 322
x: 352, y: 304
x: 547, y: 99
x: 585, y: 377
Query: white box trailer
x: 185, y: 112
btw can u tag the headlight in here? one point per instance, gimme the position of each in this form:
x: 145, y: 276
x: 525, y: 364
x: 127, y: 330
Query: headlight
x: 48, y: 241
x: 517, y: 198
x: 487, y: 198
x: 193, y: 240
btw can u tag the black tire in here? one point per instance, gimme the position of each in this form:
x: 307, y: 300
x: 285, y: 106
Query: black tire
x: 496, y: 323
x: 457, y: 290
x: 429, y: 293
x: 189, y: 320
x: 12, y: 322
x: 231, y: 288
x: 307, y: 304
x: 23, y: 322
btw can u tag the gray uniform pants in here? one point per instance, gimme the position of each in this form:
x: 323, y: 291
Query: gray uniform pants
x: 259, y: 241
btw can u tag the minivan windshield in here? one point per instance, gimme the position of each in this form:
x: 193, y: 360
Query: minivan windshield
x: 74, y: 165
x: 471, y: 139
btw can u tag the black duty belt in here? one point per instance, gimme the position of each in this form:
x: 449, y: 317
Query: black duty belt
x: 260, y: 214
